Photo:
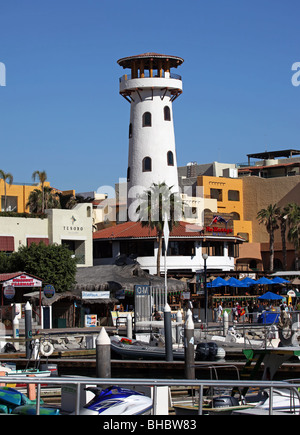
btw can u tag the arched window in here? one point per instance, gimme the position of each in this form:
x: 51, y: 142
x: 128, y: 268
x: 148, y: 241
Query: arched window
x: 130, y: 130
x: 167, y: 113
x: 170, y: 158
x: 147, y: 119
x: 147, y: 164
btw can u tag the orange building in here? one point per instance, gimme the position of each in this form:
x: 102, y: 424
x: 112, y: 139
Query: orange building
x: 17, y: 195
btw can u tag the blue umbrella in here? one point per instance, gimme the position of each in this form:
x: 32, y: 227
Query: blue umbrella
x: 264, y: 280
x: 218, y: 282
x: 233, y: 282
x: 270, y: 296
x: 248, y: 281
x: 278, y: 280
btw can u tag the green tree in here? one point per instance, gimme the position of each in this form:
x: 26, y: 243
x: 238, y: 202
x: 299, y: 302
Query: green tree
x: 4, y: 263
x: 37, y: 198
x: 42, y: 176
x: 7, y: 178
x: 268, y: 217
x: 53, y: 264
x: 156, y: 203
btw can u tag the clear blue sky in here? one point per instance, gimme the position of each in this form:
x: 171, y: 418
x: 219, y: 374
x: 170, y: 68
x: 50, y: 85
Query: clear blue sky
x: 61, y: 111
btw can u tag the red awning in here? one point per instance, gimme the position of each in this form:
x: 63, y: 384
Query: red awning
x: 7, y: 243
x: 37, y: 240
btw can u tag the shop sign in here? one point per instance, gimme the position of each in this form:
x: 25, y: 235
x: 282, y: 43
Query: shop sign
x: 185, y: 296
x: 9, y: 292
x: 142, y: 290
x: 49, y: 291
x: 95, y: 295
x: 218, y: 230
x: 23, y: 281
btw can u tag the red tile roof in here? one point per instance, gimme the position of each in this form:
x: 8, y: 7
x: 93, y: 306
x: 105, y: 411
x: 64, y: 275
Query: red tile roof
x: 135, y: 230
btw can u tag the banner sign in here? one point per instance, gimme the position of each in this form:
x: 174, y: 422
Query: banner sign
x: 23, y: 281
x: 95, y: 295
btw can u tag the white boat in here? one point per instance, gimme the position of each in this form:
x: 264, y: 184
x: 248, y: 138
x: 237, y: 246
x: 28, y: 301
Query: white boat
x: 136, y: 349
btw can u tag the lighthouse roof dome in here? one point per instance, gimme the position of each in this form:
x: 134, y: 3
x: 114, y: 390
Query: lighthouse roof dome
x: 174, y: 61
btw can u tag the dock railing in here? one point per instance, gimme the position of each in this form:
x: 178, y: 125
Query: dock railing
x: 60, y: 382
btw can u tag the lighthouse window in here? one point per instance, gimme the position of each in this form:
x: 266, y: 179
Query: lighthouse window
x: 147, y: 164
x: 128, y: 173
x: 130, y: 130
x: 170, y: 158
x: 167, y: 113
x: 147, y: 119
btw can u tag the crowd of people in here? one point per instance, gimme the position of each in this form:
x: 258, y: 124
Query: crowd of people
x: 253, y: 312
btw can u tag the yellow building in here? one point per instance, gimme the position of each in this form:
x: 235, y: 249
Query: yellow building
x: 17, y: 195
x: 229, y: 195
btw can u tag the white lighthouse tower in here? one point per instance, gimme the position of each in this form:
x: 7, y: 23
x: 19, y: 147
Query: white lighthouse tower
x: 150, y: 88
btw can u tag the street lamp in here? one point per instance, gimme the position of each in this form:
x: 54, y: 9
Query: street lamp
x: 205, y: 257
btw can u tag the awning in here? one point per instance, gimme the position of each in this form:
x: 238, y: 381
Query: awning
x: 37, y: 240
x: 7, y: 243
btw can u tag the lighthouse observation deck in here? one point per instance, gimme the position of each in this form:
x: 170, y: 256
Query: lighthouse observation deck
x: 150, y: 70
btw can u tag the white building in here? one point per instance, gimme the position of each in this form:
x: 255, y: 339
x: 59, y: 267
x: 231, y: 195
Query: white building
x: 70, y: 227
x: 187, y: 244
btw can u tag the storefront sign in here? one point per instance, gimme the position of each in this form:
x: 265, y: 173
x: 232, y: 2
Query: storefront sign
x: 49, y: 291
x: 71, y: 228
x: 9, y: 292
x: 95, y: 295
x: 218, y: 230
x: 185, y: 296
x: 23, y: 281
x: 142, y: 290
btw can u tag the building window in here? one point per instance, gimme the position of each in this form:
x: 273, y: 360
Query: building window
x: 185, y: 249
x: 167, y: 113
x: 11, y: 203
x: 216, y: 194
x: 147, y: 119
x: 102, y: 249
x: 130, y: 130
x: 213, y: 249
x: 128, y: 173
x: 233, y: 250
x: 147, y: 164
x: 233, y: 195
x: 135, y: 248
x: 170, y: 158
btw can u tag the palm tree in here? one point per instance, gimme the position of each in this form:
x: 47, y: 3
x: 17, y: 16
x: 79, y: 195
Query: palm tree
x: 7, y: 178
x: 294, y: 229
x: 267, y: 216
x: 282, y: 217
x: 42, y: 176
x: 156, y: 203
x: 36, y: 198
